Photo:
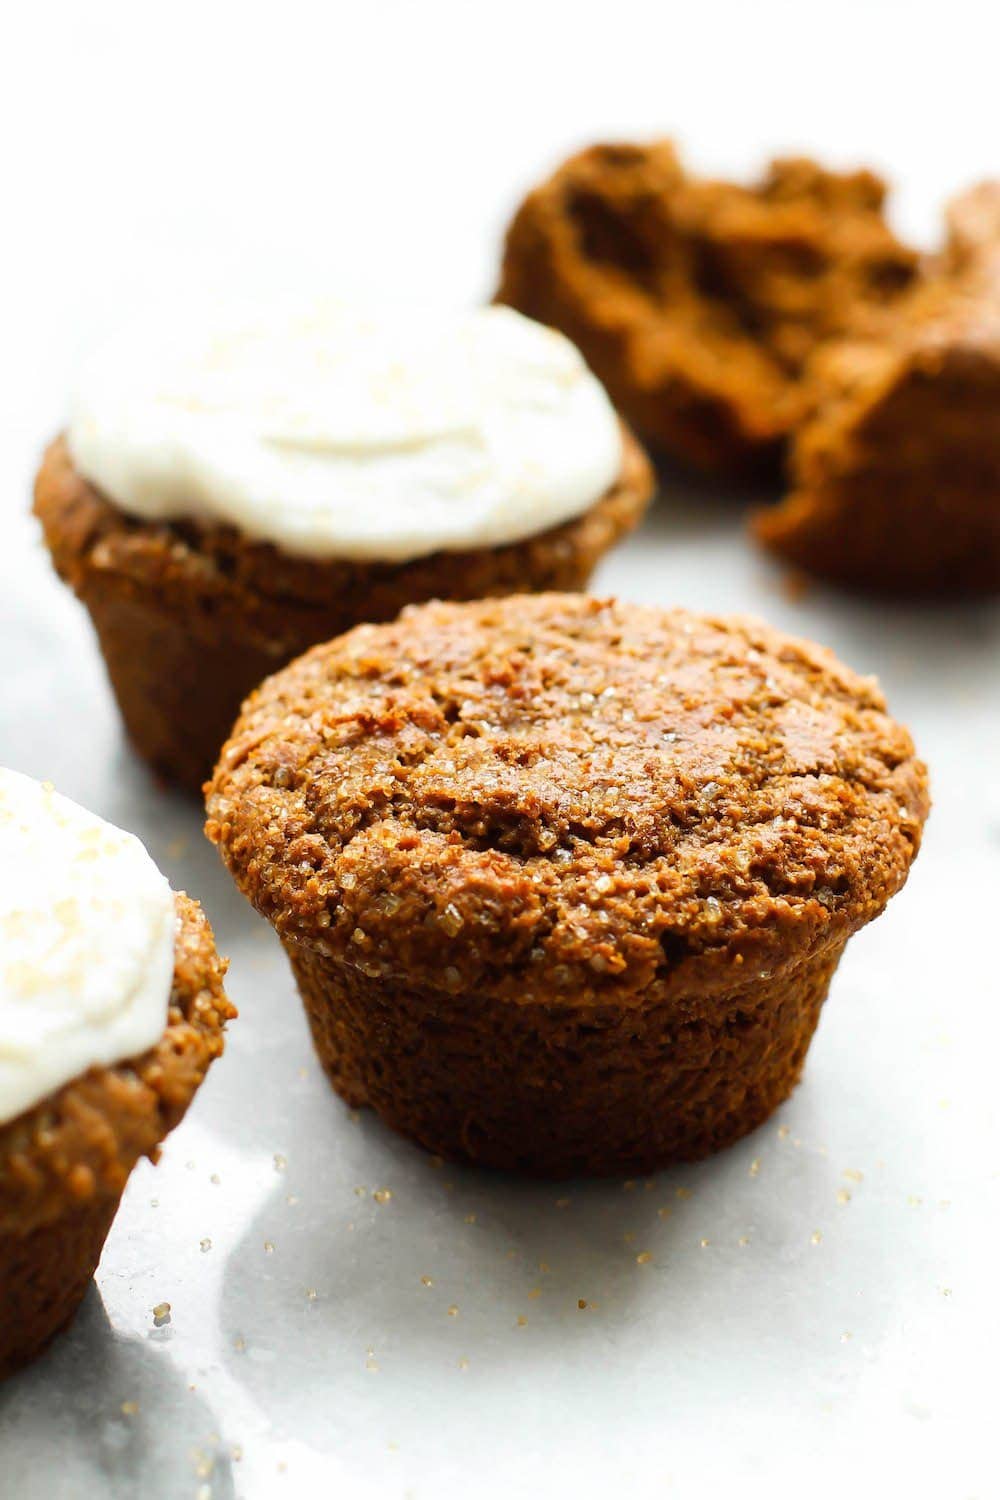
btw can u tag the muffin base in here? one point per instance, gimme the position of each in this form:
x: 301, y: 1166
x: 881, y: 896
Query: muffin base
x: 562, y: 1090
x: 191, y: 618
x: 178, y: 688
x: 44, y: 1277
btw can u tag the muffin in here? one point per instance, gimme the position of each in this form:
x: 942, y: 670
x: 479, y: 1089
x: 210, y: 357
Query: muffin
x: 563, y: 881
x: 111, y: 1010
x: 895, y: 476
x: 224, y: 499
x: 698, y: 302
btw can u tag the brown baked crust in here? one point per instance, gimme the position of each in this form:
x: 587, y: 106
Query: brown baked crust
x: 545, y: 860
x: 698, y: 302
x: 896, y: 473
x: 65, y: 1163
x: 595, y: 795
x: 191, y: 617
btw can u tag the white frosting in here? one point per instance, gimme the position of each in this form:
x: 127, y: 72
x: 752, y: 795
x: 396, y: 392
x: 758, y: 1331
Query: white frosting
x: 87, y: 926
x: 335, y: 432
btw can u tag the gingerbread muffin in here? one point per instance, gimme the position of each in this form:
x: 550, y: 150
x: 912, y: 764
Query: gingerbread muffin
x: 111, y: 1010
x: 224, y: 499
x: 896, y: 473
x: 563, y: 881
x: 698, y: 303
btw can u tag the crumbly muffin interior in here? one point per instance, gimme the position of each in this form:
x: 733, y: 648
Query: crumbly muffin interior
x: 699, y: 302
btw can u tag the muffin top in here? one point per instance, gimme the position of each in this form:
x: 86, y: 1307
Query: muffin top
x: 333, y: 431
x: 566, y: 798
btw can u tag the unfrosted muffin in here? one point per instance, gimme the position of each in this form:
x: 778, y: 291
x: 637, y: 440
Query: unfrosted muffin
x: 699, y: 302
x: 229, y: 492
x: 111, y: 1010
x: 895, y: 475
x: 564, y: 881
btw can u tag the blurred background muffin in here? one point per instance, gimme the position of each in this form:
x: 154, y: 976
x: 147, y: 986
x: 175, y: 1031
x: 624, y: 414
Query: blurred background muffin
x: 895, y: 470
x: 698, y: 302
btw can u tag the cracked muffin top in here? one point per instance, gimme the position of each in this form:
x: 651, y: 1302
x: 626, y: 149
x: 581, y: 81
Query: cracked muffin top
x: 562, y: 797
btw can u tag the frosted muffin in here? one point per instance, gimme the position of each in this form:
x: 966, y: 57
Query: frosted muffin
x: 564, y: 881
x: 111, y: 1010
x: 226, y: 496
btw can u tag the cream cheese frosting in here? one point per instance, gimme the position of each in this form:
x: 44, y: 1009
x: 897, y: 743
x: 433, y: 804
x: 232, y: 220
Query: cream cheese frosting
x: 333, y: 431
x: 87, y: 929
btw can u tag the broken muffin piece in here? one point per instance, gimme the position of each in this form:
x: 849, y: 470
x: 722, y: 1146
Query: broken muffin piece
x: 698, y: 303
x: 896, y: 472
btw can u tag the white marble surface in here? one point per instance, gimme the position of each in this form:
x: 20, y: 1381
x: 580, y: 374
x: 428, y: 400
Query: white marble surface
x: 818, y: 1315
